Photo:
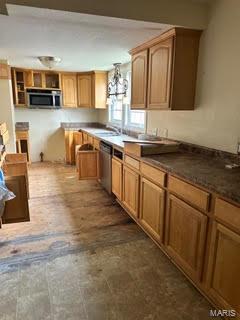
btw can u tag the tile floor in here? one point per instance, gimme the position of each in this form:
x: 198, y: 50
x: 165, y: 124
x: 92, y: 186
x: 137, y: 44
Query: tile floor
x: 82, y: 258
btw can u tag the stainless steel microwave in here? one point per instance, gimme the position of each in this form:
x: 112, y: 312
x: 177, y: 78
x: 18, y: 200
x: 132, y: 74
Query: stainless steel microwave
x: 44, y: 99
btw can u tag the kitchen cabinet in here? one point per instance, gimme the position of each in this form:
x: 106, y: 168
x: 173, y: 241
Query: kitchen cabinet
x: 85, y: 137
x: 22, y: 143
x: 72, y: 139
x: 224, y: 266
x: 77, y: 138
x: 117, y: 178
x: 85, y: 90
x: 171, y: 61
x: 92, y: 89
x: 18, y: 87
x: 16, y: 210
x: 139, y: 79
x: 130, y: 195
x: 185, y: 236
x: 160, y: 66
x: 152, y: 199
x: 88, y: 164
x: 69, y: 90
x: 16, y: 165
x: 224, y: 257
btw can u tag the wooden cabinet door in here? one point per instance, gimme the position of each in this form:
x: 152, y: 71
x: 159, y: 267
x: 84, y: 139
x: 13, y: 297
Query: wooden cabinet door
x: 88, y: 164
x: 117, y: 178
x: 85, y: 94
x: 159, y: 77
x: 139, y: 80
x: 130, y: 196
x: 77, y: 138
x: 224, y: 266
x: 16, y: 210
x: 152, y: 208
x: 186, y: 236
x: 69, y: 89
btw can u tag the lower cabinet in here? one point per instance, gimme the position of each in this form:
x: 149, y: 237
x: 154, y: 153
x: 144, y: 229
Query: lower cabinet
x: 152, y: 200
x: 186, y: 236
x: 130, y: 196
x: 16, y: 210
x: 224, y: 266
x: 88, y: 164
x: 117, y: 178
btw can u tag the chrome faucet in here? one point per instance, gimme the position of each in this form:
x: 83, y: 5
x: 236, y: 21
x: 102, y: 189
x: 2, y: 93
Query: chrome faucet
x: 115, y: 129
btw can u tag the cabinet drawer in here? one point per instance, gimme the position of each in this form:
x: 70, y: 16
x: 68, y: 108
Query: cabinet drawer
x: 96, y: 143
x: 192, y: 194
x: 228, y: 213
x: 154, y: 174
x: 22, y: 134
x: 132, y: 162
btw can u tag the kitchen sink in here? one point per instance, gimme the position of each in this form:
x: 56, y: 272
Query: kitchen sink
x: 108, y: 134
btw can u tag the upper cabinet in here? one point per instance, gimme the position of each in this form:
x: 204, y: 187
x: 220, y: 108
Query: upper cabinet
x: 139, y: 79
x: 164, y: 71
x: 92, y: 89
x: 85, y: 90
x: 69, y: 87
x: 159, y: 77
x: 23, y: 79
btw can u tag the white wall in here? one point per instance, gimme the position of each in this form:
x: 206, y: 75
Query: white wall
x: 215, y: 122
x: 6, y: 110
x: 45, y: 132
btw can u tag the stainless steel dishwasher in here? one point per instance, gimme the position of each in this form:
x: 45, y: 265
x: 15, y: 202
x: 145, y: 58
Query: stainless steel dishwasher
x: 106, y: 166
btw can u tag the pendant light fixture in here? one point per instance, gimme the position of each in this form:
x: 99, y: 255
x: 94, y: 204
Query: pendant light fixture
x: 117, y: 86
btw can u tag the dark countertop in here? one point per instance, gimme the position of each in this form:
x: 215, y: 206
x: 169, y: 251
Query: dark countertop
x: 206, y: 171
x: 22, y: 126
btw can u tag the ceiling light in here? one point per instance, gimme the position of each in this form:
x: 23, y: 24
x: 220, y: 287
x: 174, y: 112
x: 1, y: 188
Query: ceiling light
x: 49, y: 62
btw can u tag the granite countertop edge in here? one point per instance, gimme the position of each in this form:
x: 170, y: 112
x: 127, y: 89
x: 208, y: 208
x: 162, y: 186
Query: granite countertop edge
x: 200, y: 182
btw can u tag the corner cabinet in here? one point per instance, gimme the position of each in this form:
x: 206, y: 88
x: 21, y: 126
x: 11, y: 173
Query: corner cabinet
x: 69, y: 88
x: 139, y: 80
x: 92, y: 89
x: 164, y: 71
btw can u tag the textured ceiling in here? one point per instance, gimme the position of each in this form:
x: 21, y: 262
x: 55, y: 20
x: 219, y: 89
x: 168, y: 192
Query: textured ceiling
x: 84, y: 42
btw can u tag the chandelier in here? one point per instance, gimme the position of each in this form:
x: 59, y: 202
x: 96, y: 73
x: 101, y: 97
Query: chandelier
x: 49, y: 62
x: 117, y: 86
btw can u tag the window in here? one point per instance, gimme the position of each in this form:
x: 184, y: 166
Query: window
x: 120, y: 113
x: 115, y: 111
